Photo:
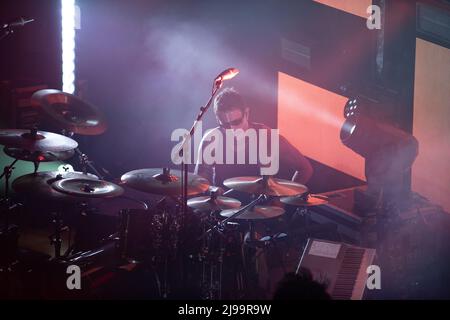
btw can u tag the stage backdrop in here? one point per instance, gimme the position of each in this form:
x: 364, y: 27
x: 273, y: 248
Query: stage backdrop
x: 311, y: 117
x: 356, y: 7
x: 431, y: 170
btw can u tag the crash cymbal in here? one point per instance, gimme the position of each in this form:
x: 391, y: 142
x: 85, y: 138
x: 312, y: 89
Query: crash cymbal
x: 213, y: 203
x: 38, y: 156
x: 88, y: 188
x: 38, y: 185
x: 39, y: 141
x: 266, y: 185
x: 256, y: 213
x: 308, y: 200
x: 163, y: 181
x: 70, y: 112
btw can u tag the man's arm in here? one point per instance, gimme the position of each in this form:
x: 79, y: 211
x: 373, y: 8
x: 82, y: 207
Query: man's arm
x: 295, y: 160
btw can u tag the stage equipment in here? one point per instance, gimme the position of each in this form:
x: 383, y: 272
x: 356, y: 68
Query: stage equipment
x: 164, y: 182
x: 389, y: 153
x: 340, y: 266
x: 70, y: 113
x: 265, y: 185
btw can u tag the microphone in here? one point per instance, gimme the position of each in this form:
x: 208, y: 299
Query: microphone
x: 227, y: 74
x: 18, y: 23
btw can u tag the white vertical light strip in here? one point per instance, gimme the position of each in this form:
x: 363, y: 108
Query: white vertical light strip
x: 68, y: 45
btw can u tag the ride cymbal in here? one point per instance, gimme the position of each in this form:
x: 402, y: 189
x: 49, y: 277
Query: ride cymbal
x: 163, y: 182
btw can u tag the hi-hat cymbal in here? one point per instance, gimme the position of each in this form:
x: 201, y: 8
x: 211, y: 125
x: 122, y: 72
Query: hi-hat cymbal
x: 87, y: 188
x: 36, y: 141
x: 213, y: 203
x: 163, y: 181
x: 256, y: 213
x: 39, y: 185
x: 69, y: 112
x: 38, y: 156
x: 266, y: 185
x: 305, y: 201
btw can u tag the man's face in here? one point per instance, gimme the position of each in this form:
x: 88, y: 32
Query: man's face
x: 233, y: 119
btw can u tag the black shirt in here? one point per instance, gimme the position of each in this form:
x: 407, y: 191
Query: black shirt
x: 290, y: 160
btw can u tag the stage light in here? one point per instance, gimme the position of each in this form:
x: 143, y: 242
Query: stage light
x: 68, y: 19
x: 389, y: 153
x: 351, y: 107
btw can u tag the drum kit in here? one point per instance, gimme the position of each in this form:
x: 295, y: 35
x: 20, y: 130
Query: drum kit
x: 158, y: 234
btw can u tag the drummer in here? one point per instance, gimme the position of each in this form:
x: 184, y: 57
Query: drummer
x: 232, y: 112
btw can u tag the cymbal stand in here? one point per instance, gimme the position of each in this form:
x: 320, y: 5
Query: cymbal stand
x: 55, y: 237
x: 85, y: 163
x: 212, y: 257
x: 7, y: 172
x: 6, y: 32
x: 222, y: 224
x: 83, y: 159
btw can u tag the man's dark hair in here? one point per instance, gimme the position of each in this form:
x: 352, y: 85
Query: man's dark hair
x: 300, y: 286
x: 229, y: 99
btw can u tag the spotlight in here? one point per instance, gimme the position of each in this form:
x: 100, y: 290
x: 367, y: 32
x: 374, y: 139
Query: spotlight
x: 351, y: 107
x: 389, y: 153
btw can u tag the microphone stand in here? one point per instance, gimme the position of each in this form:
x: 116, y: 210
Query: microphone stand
x: 184, y: 166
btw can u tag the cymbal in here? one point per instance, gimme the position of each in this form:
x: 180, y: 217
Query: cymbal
x: 305, y: 201
x: 213, y: 203
x: 164, y: 182
x: 38, y: 156
x: 38, y: 185
x: 70, y: 112
x: 266, y: 185
x: 88, y: 188
x: 256, y: 213
x: 39, y: 141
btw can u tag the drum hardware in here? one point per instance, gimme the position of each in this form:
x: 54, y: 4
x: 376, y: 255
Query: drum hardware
x: 69, y: 112
x: 7, y: 206
x: 303, y: 203
x: 7, y: 172
x: 235, y: 213
x: 212, y: 269
x: 39, y: 186
x: 34, y: 140
x: 266, y: 185
x: 83, y: 158
x: 305, y: 200
x: 164, y: 182
x: 55, y: 237
x: 36, y: 156
x: 87, y: 188
x: 73, y: 116
x: 213, y: 203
